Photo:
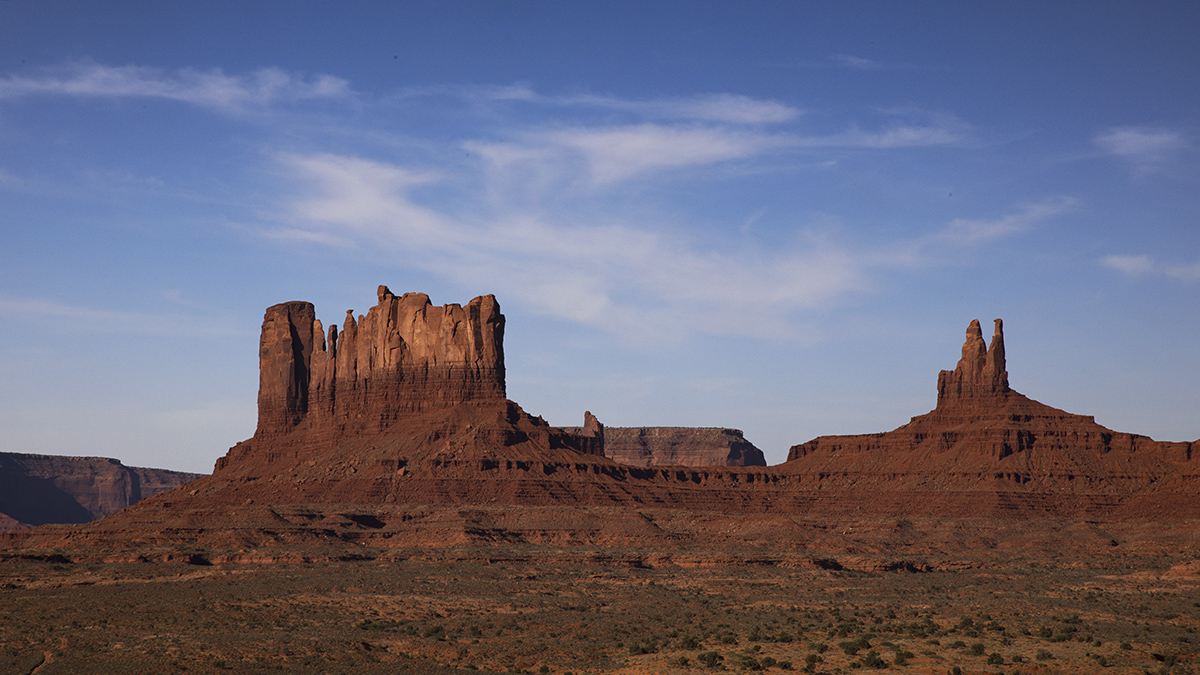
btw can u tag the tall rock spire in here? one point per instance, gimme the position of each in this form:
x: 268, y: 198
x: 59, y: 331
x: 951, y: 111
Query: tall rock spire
x: 980, y: 374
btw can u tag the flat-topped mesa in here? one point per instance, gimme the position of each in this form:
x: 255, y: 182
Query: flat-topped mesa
x: 405, y: 355
x: 680, y: 446
x: 980, y: 374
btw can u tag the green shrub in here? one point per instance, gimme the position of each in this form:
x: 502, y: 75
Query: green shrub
x: 872, y: 660
x: 710, y: 659
x: 1043, y: 655
x: 852, y: 647
x: 977, y: 649
x: 995, y: 657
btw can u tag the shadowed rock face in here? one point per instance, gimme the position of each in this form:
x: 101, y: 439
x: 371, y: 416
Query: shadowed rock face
x: 404, y: 356
x: 39, y: 489
x: 680, y: 446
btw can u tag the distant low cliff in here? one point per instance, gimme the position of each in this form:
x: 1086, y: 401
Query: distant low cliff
x: 680, y: 446
x: 39, y: 489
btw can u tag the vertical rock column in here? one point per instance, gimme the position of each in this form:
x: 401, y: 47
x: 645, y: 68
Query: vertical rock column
x: 285, y: 359
x: 980, y: 374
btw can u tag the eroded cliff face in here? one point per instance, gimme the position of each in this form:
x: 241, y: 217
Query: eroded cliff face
x: 680, y: 446
x: 980, y: 378
x: 39, y: 489
x: 404, y: 356
x: 434, y: 375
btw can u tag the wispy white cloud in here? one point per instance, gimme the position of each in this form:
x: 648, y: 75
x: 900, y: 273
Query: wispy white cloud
x: 970, y: 232
x: 211, y: 89
x: 80, y: 319
x: 724, y: 108
x: 1184, y: 272
x: 720, y: 108
x: 893, y: 137
x: 642, y: 279
x: 1143, y: 265
x: 1144, y: 147
x: 1130, y: 265
x: 529, y: 212
x: 857, y: 62
x: 618, y: 154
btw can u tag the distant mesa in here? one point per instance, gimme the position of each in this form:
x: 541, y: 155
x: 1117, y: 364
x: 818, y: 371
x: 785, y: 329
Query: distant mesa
x: 40, y: 489
x: 680, y: 446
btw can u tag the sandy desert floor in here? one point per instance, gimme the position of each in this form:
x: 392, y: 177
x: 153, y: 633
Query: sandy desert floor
x: 522, y: 609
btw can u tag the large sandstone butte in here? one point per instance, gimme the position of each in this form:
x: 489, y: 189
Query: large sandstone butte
x: 39, y: 489
x: 680, y: 446
x: 407, y: 367
x: 405, y: 356
x: 401, y: 436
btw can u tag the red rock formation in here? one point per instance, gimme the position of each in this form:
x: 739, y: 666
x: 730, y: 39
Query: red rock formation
x: 680, y: 446
x: 404, y: 356
x: 980, y: 377
x: 983, y: 436
x: 403, y: 359
x: 38, y: 489
x: 444, y: 459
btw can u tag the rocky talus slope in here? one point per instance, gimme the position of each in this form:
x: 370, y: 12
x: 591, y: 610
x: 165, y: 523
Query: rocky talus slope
x: 407, y: 440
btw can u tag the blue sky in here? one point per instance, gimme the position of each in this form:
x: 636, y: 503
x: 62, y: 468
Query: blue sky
x: 773, y: 216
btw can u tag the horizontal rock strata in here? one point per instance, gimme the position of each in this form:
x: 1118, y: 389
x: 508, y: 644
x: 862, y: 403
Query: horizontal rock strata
x: 403, y: 356
x: 39, y: 489
x: 680, y: 446
x: 984, y: 436
x: 449, y: 461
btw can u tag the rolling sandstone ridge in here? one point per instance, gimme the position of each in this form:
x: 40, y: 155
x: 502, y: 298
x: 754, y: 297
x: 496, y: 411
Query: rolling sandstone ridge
x: 395, y: 433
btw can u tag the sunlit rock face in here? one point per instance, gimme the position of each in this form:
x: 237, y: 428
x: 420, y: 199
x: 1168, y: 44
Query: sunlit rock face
x: 405, y: 355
